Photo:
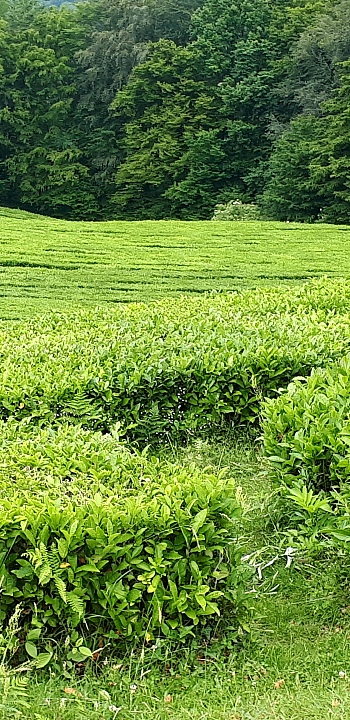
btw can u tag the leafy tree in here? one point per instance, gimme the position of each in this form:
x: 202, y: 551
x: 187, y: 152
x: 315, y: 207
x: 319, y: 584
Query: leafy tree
x: 157, y: 108
x: 330, y: 164
x: 167, y: 101
x: 120, y: 33
x: 40, y: 155
x: 309, y: 170
x: 118, y: 40
x: 183, y: 115
x: 313, y: 70
x: 310, y: 166
x: 197, y: 122
x: 291, y: 192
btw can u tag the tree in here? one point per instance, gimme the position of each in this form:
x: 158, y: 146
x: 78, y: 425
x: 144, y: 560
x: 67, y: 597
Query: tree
x: 154, y: 108
x: 40, y: 160
x: 291, y: 192
x: 308, y: 176
x: 330, y: 164
x: 167, y: 101
x: 118, y: 40
x: 313, y: 69
x: 197, y: 121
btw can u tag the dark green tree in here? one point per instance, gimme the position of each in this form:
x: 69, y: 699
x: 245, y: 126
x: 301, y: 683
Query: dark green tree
x: 291, y: 192
x: 166, y: 103
x: 41, y: 162
x: 308, y: 176
x: 330, y: 164
x: 118, y: 40
x: 313, y: 67
x: 198, y: 98
x: 197, y: 123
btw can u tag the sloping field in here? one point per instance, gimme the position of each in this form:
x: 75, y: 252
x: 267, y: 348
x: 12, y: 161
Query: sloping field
x: 47, y: 263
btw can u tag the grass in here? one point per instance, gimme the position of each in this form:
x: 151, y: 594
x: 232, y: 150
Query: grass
x: 290, y: 669
x: 48, y: 263
x: 245, y: 688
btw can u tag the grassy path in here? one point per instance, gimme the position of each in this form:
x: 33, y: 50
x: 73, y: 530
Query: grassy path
x: 47, y: 263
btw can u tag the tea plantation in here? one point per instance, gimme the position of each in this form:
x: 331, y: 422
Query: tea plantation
x: 48, y: 263
x: 173, y: 473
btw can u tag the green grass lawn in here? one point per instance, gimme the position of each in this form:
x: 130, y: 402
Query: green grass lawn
x: 48, y: 263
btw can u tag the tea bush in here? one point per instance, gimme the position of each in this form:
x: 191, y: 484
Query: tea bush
x: 174, y: 368
x: 306, y: 430
x: 90, y: 531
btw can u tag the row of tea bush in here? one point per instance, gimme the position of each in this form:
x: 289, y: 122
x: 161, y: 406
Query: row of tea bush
x: 91, y: 532
x: 307, y: 428
x: 174, y: 368
x: 306, y: 436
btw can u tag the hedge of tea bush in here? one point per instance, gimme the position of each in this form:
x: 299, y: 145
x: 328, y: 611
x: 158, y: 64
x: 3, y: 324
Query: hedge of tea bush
x: 93, y: 532
x: 307, y: 439
x: 90, y: 531
x: 307, y: 428
x: 173, y: 368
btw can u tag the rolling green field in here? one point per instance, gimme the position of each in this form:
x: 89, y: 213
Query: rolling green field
x: 48, y: 263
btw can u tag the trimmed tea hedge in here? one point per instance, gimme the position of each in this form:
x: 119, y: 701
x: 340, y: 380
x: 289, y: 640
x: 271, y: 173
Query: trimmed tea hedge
x: 307, y: 429
x: 173, y: 368
x: 90, y: 531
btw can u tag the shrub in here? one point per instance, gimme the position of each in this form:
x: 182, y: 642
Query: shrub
x: 236, y: 210
x: 67, y: 461
x: 90, y: 531
x: 171, y: 369
x: 306, y: 430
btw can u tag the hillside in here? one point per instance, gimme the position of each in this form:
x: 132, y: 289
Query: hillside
x: 48, y: 263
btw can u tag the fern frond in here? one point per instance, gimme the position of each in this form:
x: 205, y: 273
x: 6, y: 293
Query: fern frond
x: 78, y: 406
x: 76, y: 603
x: 41, y: 562
x: 13, y: 691
x: 61, y: 587
x: 54, y: 560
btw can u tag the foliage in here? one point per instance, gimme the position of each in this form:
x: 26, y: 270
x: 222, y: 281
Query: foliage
x: 40, y: 158
x: 306, y: 622
x: 54, y: 264
x: 309, y: 168
x: 137, y: 545
x: 171, y: 369
x: 195, y: 120
x: 113, y: 108
x: 306, y: 437
x: 331, y: 158
x: 305, y: 632
x: 117, y: 40
x: 306, y: 429
x: 236, y: 210
x: 164, y: 102
x: 314, y: 70
x: 291, y: 192
x: 307, y: 177
x: 13, y: 680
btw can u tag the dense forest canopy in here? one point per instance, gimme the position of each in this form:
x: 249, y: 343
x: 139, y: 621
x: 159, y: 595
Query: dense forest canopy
x: 141, y: 109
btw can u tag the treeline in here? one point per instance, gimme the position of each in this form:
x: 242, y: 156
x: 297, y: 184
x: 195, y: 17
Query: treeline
x: 163, y: 108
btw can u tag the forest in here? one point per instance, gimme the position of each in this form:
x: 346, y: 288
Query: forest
x: 160, y: 109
